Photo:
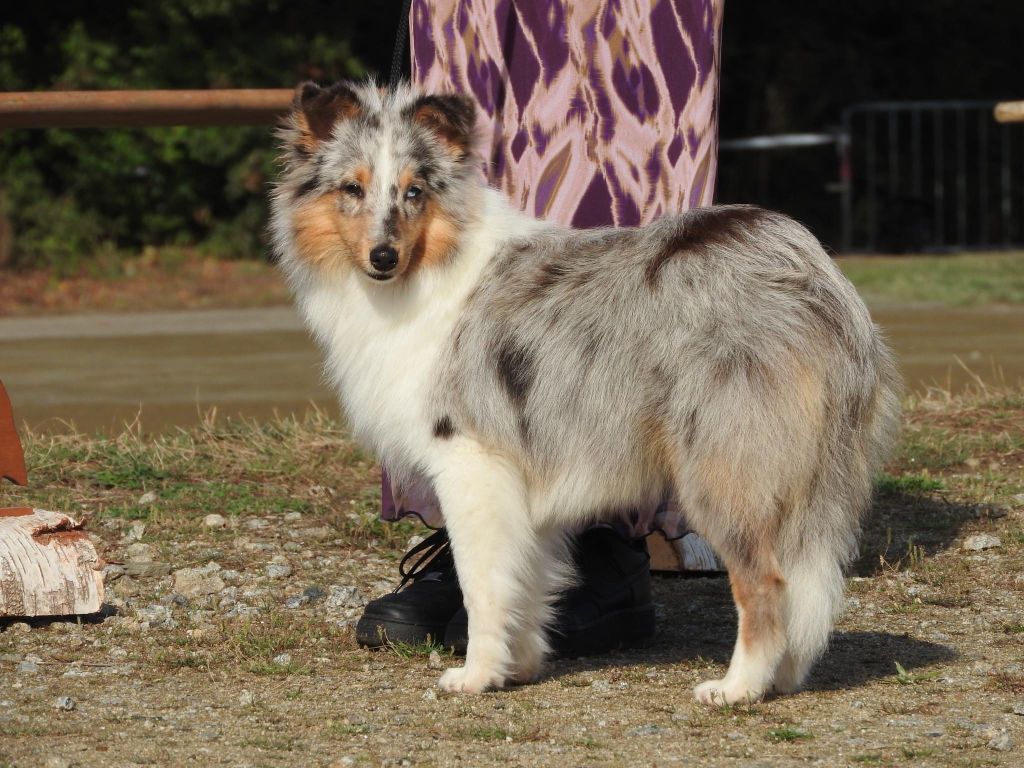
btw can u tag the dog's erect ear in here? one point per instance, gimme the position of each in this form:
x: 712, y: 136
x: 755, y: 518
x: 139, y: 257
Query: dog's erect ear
x: 451, y: 118
x: 317, y: 109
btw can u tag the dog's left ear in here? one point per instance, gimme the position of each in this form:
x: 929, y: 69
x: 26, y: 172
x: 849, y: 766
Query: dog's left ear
x: 451, y: 117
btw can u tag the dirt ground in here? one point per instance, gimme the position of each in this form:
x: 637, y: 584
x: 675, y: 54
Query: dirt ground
x: 228, y: 641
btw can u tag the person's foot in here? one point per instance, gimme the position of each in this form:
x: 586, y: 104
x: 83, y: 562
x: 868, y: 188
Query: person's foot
x: 419, y: 613
x: 610, y: 607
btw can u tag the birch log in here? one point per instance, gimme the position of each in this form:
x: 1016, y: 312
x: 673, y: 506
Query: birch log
x: 48, y: 566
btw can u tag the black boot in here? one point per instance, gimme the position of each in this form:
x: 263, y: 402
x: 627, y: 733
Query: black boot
x: 421, y: 611
x: 609, y: 608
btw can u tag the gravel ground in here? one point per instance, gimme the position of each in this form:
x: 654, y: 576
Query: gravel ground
x: 237, y: 572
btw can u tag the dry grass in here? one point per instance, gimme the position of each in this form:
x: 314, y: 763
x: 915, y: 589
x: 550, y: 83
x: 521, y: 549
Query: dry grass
x: 925, y: 667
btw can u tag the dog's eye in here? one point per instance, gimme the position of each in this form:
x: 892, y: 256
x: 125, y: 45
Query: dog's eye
x: 413, y: 192
x: 353, y: 189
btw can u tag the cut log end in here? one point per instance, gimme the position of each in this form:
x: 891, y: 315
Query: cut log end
x: 48, y: 565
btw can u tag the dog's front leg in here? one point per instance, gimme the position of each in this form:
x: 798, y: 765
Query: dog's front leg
x: 483, y: 497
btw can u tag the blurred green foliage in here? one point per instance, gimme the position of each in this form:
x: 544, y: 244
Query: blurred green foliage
x: 69, y: 195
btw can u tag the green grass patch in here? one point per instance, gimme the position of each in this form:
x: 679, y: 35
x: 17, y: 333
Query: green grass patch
x: 962, y: 280
x: 419, y: 650
x: 787, y: 733
x: 903, y: 677
x: 911, y: 484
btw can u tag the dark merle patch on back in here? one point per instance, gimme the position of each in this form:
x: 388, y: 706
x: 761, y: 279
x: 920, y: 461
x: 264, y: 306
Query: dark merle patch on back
x: 591, y: 346
x: 443, y: 428
x: 516, y: 370
x: 690, y: 431
x: 550, y: 274
x: 700, y: 228
x: 741, y: 362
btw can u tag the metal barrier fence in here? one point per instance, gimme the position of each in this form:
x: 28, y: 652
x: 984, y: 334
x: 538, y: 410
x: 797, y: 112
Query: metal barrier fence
x: 930, y: 175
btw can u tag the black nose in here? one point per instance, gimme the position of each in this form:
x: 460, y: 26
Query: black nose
x: 384, y: 258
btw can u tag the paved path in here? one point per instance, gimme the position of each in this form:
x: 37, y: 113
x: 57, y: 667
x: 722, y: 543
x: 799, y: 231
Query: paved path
x: 102, y: 370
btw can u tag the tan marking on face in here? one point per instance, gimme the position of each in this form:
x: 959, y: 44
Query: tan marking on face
x: 405, y: 179
x: 363, y: 176
x: 326, y: 239
x: 433, y: 241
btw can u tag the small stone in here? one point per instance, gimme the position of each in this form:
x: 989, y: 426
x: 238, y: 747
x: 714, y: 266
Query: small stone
x: 65, y: 703
x: 980, y: 541
x: 296, y: 602
x: 113, y: 572
x: 147, y: 498
x: 973, y: 463
x: 215, y: 521
x: 1018, y: 709
x: 1001, y: 742
x: 981, y: 668
x: 429, y: 695
x: 413, y: 541
x: 193, y: 582
x: 242, y: 611
x: 1018, y: 498
x: 643, y: 730
x: 314, y: 593
x: 247, y: 698
x: 135, y: 531
x: 283, y: 659
x: 434, y: 661
x: 279, y: 570
x: 27, y: 667
x: 19, y: 628
x: 147, y: 570
x: 141, y: 553
x: 156, y: 616
x: 344, y: 597
x: 292, y: 517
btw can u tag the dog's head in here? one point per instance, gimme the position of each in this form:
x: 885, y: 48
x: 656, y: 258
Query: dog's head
x: 375, y: 179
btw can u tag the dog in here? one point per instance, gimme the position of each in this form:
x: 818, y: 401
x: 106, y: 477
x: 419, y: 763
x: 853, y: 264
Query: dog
x: 540, y: 378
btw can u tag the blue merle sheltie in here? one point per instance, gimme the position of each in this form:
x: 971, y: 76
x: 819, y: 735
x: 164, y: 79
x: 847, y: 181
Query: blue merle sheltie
x: 540, y: 377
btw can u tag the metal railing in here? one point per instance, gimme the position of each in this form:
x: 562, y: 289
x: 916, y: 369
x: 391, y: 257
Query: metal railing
x: 930, y: 175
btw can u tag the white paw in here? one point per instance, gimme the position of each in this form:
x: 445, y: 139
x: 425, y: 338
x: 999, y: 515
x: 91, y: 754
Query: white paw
x: 467, y: 680
x: 526, y: 672
x: 720, y: 693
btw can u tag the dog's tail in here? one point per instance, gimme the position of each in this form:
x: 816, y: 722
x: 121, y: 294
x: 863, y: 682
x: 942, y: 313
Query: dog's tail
x: 820, y: 537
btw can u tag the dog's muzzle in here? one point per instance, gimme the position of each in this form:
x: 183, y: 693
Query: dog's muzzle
x: 384, y: 259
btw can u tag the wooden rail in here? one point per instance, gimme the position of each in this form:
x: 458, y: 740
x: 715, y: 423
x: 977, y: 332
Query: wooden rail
x: 102, y: 109
x: 1010, y: 112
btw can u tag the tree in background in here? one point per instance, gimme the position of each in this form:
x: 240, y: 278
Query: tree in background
x: 70, y: 194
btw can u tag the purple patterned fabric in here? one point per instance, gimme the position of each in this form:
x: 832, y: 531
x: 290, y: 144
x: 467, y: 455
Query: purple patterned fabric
x: 591, y: 113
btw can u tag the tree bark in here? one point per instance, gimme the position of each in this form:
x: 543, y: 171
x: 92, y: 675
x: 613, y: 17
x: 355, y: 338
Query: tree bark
x: 48, y: 566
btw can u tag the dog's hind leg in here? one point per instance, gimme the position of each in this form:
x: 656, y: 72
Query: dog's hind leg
x: 758, y: 589
x: 813, y: 597
x: 484, y: 500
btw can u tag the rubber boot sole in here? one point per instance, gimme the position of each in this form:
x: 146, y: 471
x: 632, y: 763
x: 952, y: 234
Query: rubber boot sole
x: 372, y: 632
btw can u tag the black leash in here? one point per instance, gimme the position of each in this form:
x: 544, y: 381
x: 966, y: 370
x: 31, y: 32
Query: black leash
x: 401, y: 45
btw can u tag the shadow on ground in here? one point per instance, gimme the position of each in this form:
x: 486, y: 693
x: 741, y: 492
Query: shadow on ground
x: 699, y: 625
x: 903, y: 527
